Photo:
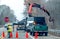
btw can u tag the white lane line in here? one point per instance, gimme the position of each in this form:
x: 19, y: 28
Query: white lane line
x: 31, y: 36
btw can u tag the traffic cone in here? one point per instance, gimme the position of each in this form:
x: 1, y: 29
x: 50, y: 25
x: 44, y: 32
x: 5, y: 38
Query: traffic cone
x: 36, y: 35
x: 3, y: 34
x: 11, y: 35
x: 26, y: 35
x: 17, y: 35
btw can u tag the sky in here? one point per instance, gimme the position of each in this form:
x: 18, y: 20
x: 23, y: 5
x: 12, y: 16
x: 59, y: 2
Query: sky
x: 16, y: 5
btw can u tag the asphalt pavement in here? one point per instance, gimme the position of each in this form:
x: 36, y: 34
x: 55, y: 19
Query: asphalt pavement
x: 22, y: 35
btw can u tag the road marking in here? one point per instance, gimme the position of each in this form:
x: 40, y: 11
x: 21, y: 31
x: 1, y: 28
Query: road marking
x: 31, y: 36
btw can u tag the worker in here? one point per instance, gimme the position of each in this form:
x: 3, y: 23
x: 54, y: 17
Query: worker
x: 9, y: 29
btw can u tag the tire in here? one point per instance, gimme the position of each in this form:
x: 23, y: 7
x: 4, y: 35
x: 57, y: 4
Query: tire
x: 46, y: 33
x: 40, y: 34
x: 32, y: 33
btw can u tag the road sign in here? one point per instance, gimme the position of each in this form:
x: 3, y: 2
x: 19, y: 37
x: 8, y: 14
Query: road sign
x: 6, y: 19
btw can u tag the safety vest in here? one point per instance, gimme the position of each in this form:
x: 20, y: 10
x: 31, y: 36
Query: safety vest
x: 10, y: 28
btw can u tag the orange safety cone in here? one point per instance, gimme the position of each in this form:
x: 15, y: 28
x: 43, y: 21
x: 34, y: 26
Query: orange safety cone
x: 36, y: 35
x: 11, y: 35
x: 17, y: 35
x: 3, y: 34
x: 26, y: 35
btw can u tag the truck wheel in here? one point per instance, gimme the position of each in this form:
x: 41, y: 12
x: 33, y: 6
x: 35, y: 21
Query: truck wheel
x: 46, y: 33
x: 33, y: 34
x: 40, y: 34
x: 30, y: 33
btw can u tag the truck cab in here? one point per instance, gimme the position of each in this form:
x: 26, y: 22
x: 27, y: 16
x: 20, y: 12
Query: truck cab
x: 37, y: 24
x: 29, y: 24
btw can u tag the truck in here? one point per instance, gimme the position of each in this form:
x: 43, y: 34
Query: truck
x: 20, y: 26
x: 37, y: 24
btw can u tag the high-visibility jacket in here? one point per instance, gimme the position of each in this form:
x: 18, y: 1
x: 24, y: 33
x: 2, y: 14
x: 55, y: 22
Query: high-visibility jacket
x: 10, y: 28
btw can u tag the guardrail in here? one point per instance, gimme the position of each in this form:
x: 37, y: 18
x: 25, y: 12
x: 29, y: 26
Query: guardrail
x: 54, y: 32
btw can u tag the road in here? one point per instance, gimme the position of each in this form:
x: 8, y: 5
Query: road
x: 48, y: 37
x: 22, y: 35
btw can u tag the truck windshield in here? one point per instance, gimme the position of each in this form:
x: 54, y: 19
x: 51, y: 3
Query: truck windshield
x: 30, y: 19
x: 40, y: 20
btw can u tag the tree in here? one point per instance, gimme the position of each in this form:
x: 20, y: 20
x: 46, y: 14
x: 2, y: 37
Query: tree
x: 5, y: 11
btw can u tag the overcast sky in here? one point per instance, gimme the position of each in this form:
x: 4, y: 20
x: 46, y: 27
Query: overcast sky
x: 16, y: 5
